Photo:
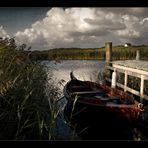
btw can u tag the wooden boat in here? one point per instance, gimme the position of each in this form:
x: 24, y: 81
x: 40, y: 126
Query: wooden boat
x: 99, y: 107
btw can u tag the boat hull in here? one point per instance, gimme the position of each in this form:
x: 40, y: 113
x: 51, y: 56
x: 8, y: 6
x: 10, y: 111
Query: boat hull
x: 93, y: 122
x: 99, y: 112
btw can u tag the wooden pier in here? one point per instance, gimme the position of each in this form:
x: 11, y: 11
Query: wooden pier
x: 135, y: 68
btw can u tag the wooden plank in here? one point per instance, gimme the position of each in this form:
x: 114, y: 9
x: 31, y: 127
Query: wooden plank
x: 135, y: 92
x: 125, y: 81
x: 143, y: 75
x: 142, y: 88
x: 131, y: 69
x: 102, y: 98
x: 127, y: 88
x: 80, y: 86
x: 128, y: 72
x: 136, y: 64
x: 114, y: 75
x: 88, y: 92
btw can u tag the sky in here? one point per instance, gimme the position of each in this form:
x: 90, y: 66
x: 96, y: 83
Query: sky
x: 45, y: 28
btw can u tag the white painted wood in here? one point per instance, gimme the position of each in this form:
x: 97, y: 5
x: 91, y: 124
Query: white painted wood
x: 136, y: 64
x: 114, y: 75
x: 129, y: 72
x: 135, y: 92
x: 131, y: 69
x: 125, y: 81
x: 142, y: 87
x: 127, y: 88
x: 143, y: 75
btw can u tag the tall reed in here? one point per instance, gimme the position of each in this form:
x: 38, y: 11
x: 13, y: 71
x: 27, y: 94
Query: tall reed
x: 28, y: 108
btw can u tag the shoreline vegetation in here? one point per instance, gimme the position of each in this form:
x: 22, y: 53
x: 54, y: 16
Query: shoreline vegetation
x: 28, y: 97
x: 118, y: 53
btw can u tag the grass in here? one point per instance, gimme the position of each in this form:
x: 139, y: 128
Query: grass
x: 28, y: 108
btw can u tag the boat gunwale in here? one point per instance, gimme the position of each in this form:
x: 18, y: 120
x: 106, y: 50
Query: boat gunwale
x: 107, y: 105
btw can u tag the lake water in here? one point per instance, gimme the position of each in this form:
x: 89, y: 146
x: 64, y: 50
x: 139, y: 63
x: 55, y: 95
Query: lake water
x: 83, y: 70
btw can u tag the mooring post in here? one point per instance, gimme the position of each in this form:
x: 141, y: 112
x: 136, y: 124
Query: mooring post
x: 108, y: 47
x: 138, y: 55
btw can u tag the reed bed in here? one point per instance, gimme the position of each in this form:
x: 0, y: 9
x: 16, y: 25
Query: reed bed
x: 28, y: 96
x: 118, y: 53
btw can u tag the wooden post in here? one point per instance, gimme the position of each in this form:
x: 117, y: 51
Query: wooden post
x: 142, y: 89
x: 138, y: 55
x: 125, y: 81
x: 114, y: 75
x: 108, y: 46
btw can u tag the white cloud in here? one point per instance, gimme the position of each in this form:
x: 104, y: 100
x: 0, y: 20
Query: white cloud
x: 85, y: 27
x: 3, y: 32
x: 55, y: 28
x: 131, y: 30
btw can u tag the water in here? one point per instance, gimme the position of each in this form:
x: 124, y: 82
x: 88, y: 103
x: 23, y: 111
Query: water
x: 83, y: 70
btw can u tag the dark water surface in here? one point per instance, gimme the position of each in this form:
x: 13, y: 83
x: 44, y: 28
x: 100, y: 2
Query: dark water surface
x: 83, y: 70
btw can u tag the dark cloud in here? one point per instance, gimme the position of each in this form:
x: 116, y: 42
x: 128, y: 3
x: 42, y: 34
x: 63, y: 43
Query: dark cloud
x: 90, y: 33
x: 136, y: 11
x: 106, y: 24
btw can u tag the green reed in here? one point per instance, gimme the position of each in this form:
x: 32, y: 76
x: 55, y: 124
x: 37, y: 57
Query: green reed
x: 28, y: 109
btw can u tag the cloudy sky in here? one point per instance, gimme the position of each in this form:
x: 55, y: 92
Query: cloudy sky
x: 44, y: 28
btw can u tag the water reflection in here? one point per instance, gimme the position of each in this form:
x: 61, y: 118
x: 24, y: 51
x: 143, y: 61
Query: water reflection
x: 83, y: 70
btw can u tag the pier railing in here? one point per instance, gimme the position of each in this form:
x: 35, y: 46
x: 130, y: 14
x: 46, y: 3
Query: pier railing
x: 126, y: 70
x: 143, y: 75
